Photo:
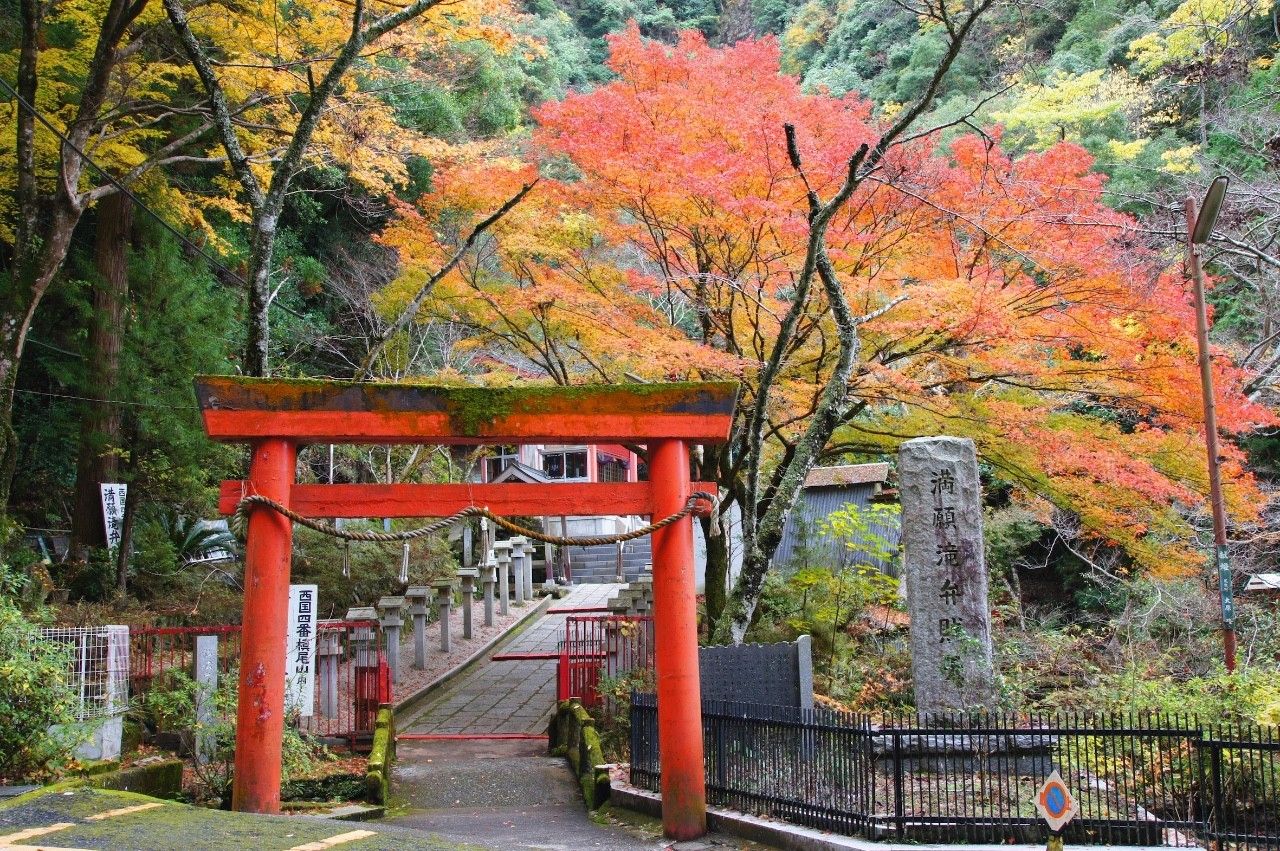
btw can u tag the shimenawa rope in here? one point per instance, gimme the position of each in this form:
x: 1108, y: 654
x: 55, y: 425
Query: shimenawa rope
x: 240, y: 523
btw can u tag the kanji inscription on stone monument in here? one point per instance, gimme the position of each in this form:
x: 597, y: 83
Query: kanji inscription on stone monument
x: 946, y: 574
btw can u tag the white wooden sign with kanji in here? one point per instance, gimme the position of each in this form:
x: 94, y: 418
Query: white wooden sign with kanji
x: 300, y: 651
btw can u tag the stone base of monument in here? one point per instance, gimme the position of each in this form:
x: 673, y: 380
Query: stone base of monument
x: 994, y: 832
x: 965, y: 753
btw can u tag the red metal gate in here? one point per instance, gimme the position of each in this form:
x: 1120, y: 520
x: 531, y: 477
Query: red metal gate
x: 602, y: 651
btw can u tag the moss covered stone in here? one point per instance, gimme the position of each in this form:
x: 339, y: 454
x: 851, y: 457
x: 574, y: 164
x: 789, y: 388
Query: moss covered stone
x: 572, y: 733
x: 377, y: 778
x: 471, y: 409
x: 160, y: 779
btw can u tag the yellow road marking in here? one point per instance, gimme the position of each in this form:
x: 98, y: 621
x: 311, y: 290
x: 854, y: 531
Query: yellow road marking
x: 122, y: 811
x: 340, y: 839
x: 11, y: 838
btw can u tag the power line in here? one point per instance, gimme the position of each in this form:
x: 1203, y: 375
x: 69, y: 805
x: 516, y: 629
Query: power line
x: 120, y: 187
x: 106, y: 401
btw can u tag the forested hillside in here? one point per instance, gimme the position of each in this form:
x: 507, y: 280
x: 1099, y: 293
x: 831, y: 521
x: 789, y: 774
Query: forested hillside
x: 887, y: 219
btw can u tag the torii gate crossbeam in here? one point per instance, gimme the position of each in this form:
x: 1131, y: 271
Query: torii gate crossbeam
x: 277, y: 416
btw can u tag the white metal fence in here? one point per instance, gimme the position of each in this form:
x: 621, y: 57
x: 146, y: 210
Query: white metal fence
x: 97, y: 667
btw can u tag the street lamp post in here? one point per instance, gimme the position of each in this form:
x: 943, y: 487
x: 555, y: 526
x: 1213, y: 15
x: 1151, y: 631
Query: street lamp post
x: 1199, y: 227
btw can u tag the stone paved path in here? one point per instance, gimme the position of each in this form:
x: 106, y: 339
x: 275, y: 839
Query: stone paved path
x: 514, y: 696
x: 509, y: 795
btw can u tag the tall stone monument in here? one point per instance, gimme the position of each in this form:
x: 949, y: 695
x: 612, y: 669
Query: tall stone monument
x: 946, y: 574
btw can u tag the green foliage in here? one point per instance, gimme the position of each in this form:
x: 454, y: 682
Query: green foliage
x: 876, y: 48
x: 34, y: 690
x: 372, y: 569
x: 832, y: 606
x: 615, y: 722
x: 176, y: 702
x: 868, y: 533
x: 166, y: 545
x: 1008, y: 533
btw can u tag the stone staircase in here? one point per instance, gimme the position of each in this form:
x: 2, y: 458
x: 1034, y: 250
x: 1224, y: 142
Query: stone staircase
x: 634, y: 598
x: 600, y: 563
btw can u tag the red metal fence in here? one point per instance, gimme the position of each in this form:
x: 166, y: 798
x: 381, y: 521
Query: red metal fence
x: 156, y: 649
x: 352, y: 675
x: 604, y: 650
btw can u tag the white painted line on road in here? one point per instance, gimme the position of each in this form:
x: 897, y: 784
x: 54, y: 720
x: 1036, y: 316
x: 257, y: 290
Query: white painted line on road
x: 340, y: 839
x: 123, y: 811
x: 9, y: 839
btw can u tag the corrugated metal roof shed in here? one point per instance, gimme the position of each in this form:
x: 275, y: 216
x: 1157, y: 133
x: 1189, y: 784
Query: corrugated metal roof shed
x: 826, y: 490
x: 846, y: 474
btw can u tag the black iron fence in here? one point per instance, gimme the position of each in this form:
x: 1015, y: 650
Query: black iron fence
x: 1140, y: 780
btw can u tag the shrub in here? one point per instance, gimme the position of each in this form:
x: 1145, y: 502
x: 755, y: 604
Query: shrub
x: 615, y: 694
x: 34, y: 691
x: 178, y: 704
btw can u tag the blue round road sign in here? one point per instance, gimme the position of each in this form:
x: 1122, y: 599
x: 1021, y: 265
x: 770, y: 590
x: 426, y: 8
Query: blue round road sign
x: 1055, y: 800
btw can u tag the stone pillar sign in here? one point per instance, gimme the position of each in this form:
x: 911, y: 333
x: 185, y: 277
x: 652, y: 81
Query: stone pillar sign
x: 946, y: 574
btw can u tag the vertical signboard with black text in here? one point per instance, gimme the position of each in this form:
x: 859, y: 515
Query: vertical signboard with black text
x: 300, y: 651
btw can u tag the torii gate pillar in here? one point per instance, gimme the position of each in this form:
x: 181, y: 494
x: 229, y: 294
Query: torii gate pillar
x: 684, y: 794
x: 260, y: 710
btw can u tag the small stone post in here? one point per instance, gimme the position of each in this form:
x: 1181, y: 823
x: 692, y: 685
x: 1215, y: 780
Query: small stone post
x: 389, y: 609
x: 529, y: 548
x: 548, y: 560
x: 444, y: 602
x: 502, y: 552
x: 946, y: 574
x: 206, y: 687
x: 517, y: 568
x: 419, y: 597
x: 468, y: 576
x: 612, y: 644
x: 487, y: 578
x: 328, y: 654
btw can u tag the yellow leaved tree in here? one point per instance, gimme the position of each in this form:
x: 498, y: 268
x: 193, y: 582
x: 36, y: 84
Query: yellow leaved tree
x: 294, y: 86
x: 264, y: 90
x: 92, y: 77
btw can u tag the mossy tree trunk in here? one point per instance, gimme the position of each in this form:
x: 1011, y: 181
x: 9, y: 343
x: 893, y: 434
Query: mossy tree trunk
x: 100, y: 441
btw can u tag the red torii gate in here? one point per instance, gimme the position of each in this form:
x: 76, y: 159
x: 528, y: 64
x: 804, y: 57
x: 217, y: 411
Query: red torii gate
x: 275, y: 416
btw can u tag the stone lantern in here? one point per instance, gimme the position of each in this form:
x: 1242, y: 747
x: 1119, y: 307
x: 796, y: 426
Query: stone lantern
x: 419, y: 597
x: 467, y: 576
x: 391, y: 620
x: 502, y: 552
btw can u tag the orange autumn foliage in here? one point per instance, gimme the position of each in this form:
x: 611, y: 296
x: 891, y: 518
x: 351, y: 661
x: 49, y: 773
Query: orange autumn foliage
x: 1034, y: 319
